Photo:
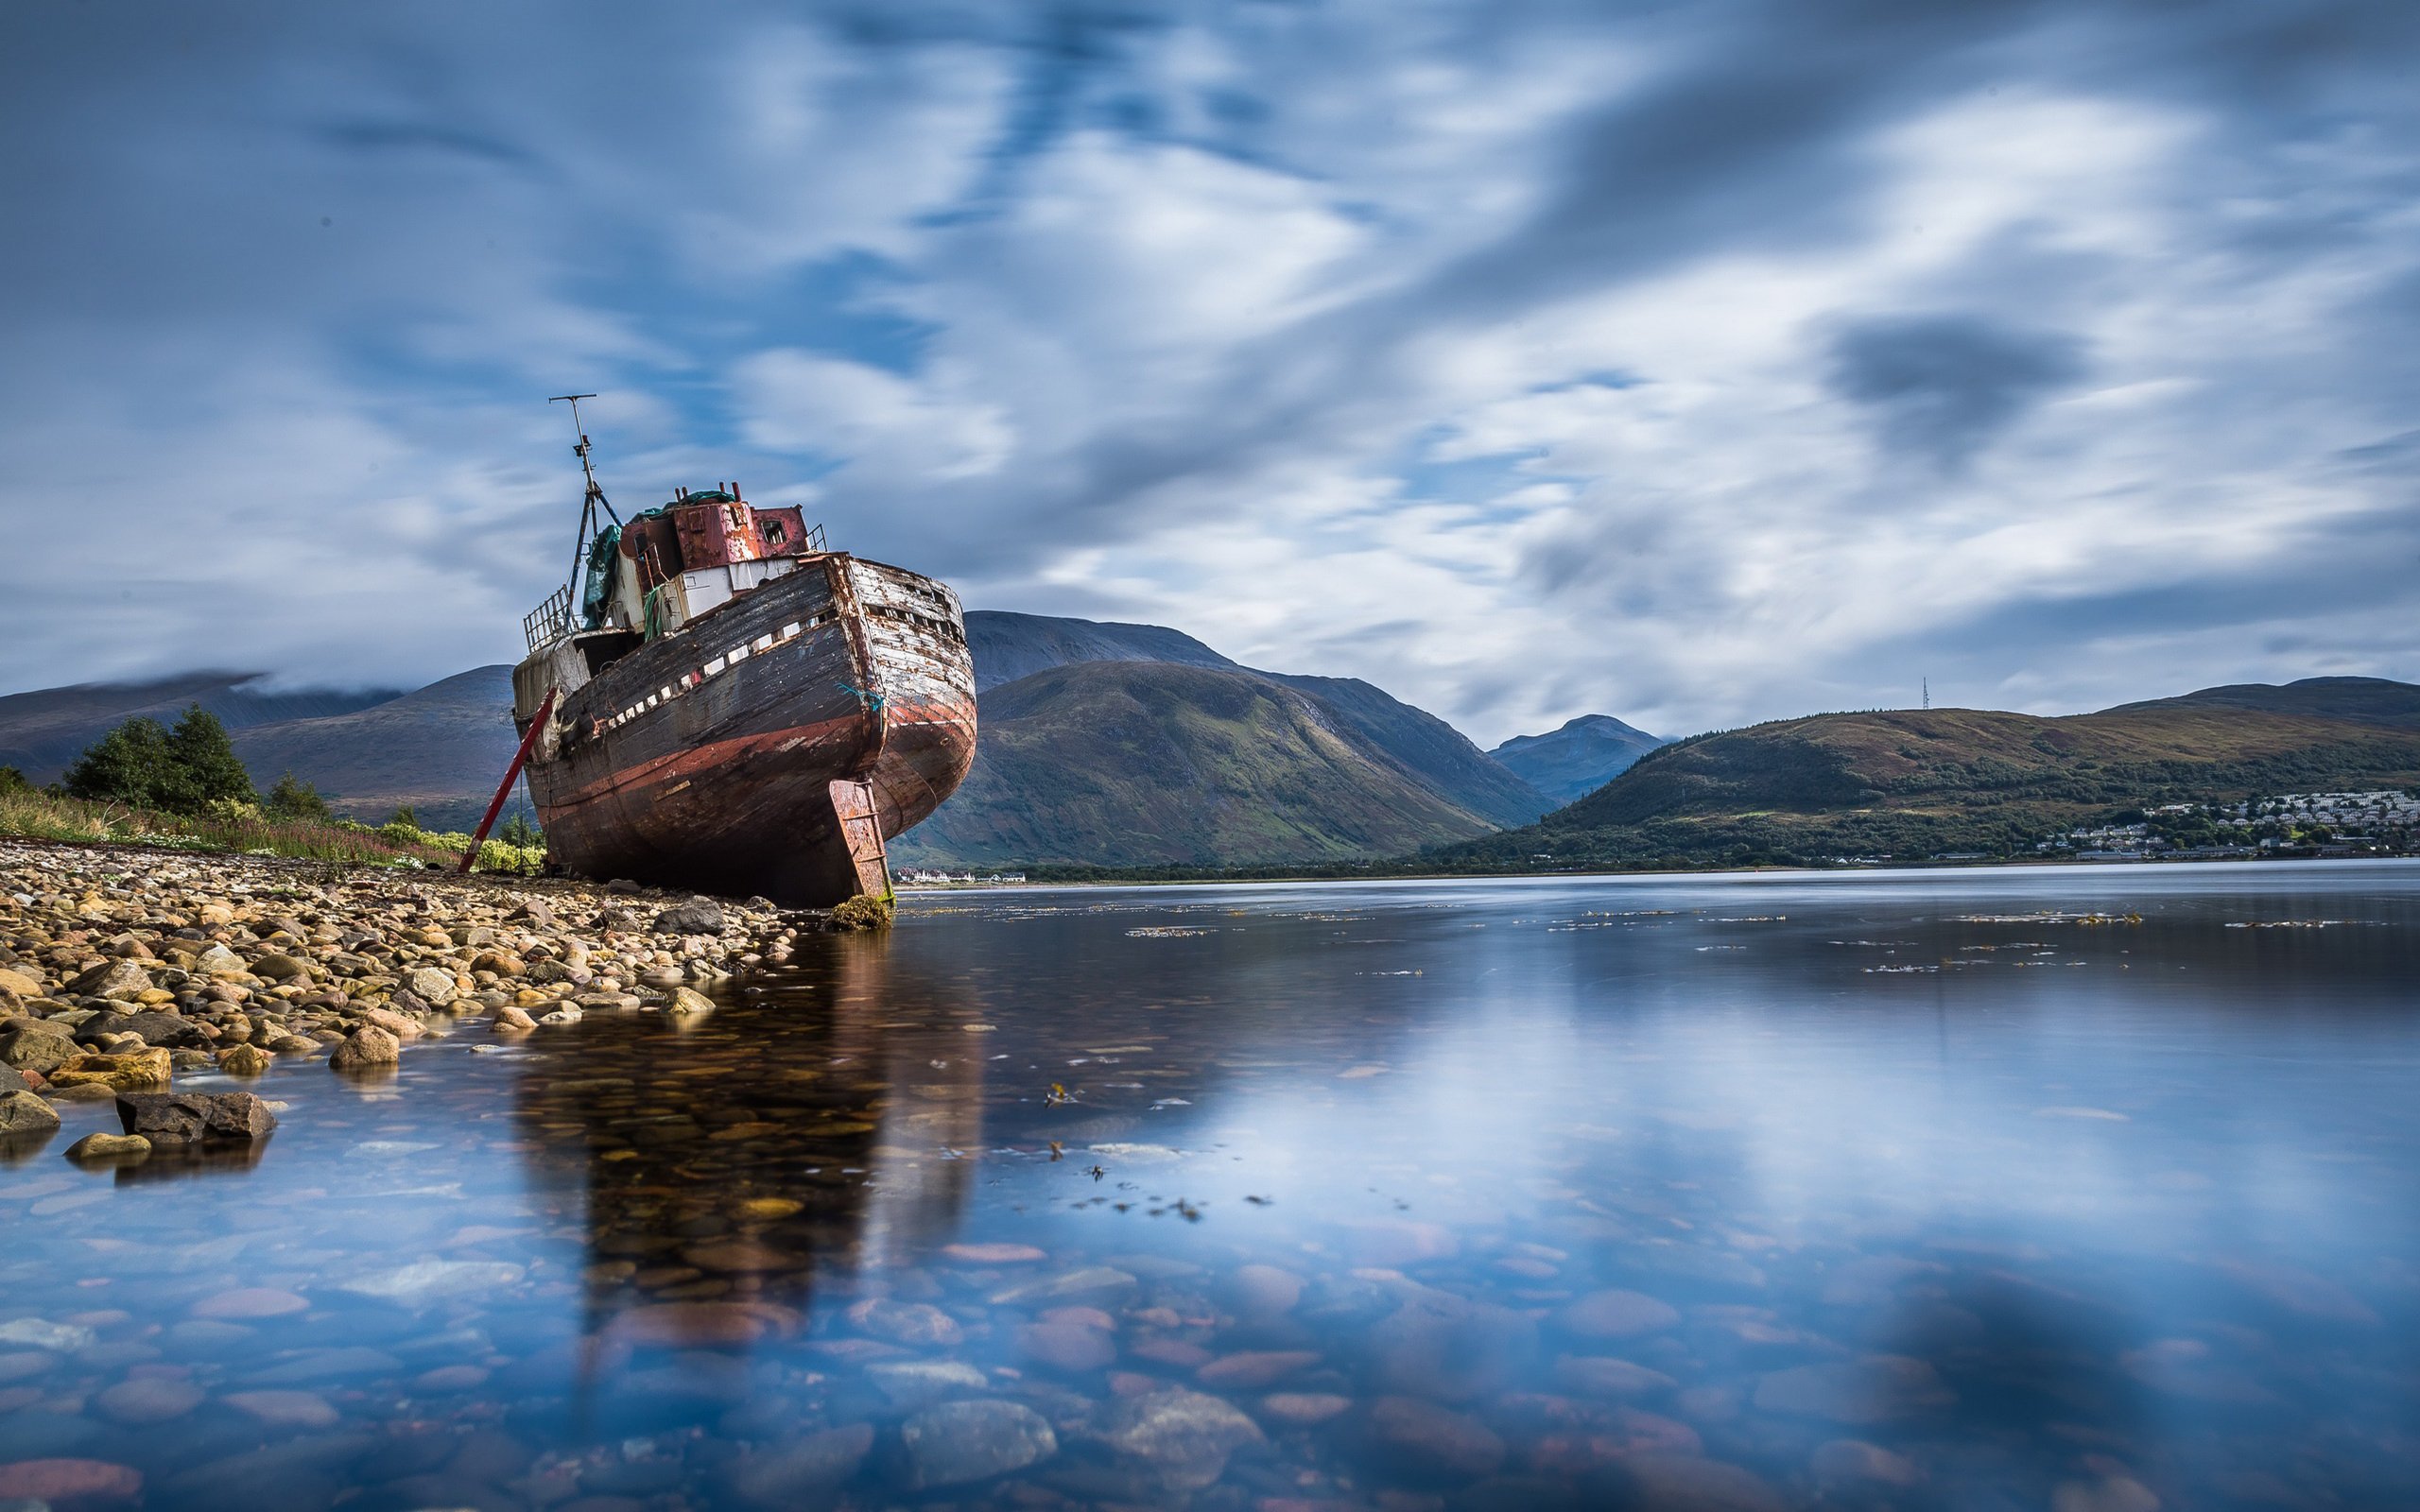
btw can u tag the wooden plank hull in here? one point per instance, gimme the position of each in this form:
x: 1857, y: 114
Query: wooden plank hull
x: 735, y: 756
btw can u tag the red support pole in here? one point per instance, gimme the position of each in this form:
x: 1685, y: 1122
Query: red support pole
x: 505, y: 788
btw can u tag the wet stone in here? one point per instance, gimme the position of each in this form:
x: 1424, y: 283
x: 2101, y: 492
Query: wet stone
x: 1184, y: 1437
x: 138, y: 1070
x: 1601, y: 1376
x: 169, y: 1119
x: 1700, y: 1485
x: 1074, y: 1347
x: 915, y: 1382
x: 23, y: 1113
x: 1264, y: 1291
x: 244, y: 1060
x: 958, y: 1442
x: 1849, y: 1462
x: 1098, y: 1284
x: 142, y: 1401
x: 1409, y: 1438
x: 1449, y: 1349
x: 1618, y: 1314
x: 365, y: 1047
x: 109, y: 1147
x: 1880, y: 1388
x: 781, y: 1475
x: 78, y: 1480
x: 1302, y: 1409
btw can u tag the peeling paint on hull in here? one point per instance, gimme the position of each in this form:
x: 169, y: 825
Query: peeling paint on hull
x: 708, y: 759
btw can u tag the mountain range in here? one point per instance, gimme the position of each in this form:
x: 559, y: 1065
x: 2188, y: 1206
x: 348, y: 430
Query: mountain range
x: 1110, y: 745
x: 1915, y: 783
x: 1101, y: 744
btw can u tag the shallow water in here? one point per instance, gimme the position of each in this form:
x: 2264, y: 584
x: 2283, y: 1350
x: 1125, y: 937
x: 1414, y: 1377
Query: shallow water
x: 1960, y: 1189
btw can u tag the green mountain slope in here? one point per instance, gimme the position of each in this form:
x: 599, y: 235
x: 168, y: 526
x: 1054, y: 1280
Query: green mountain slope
x: 1136, y: 764
x: 1574, y: 761
x: 1008, y: 646
x: 1911, y: 783
x: 1440, y: 755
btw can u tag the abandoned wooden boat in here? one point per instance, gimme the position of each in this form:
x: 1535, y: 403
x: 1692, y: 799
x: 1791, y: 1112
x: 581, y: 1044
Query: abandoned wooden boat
x: 730, y: 706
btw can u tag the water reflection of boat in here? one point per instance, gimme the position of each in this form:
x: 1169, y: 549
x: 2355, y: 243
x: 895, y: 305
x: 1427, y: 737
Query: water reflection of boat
x: 720, y: 1169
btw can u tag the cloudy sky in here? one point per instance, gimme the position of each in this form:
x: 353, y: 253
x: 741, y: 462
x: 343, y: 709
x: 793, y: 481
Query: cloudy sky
x: 1696, y: 363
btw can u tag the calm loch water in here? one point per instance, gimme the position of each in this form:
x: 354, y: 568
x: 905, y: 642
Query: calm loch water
x: 2089, y: 1190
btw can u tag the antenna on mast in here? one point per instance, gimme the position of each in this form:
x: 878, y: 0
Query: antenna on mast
x: 1928, y: 682
x: 593, y: 499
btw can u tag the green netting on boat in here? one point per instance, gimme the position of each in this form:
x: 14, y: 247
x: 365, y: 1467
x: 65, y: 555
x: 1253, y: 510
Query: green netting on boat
x: 602, y: 569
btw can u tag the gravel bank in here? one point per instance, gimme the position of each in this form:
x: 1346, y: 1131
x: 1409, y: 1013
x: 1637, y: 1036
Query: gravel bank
x: 122, y: 968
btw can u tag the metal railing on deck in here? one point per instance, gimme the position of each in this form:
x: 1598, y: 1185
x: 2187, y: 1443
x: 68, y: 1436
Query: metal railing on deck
x: 550, y: 621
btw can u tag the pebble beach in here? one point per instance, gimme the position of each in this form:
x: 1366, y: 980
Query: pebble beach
x: 122, y: 971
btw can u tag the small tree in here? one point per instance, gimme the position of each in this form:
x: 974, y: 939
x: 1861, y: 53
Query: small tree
x: 291, y: 799
x: 203, y: 763
x: 130, y: 765
x: 404, y: 816
x: 518, y: 831
x: 13, y: 780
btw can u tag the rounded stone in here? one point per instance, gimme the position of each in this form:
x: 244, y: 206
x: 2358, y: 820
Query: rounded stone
x: 365, y: 1048
x: 1184, y: 1437
x: 1852, y: 1461
x: 1877, y: 1389
x: 1601, y: 1376
x: 109, y: 1147
x: 1304, y: 1409
x: 70, y: 1480
x: 146, y: 1399
x: 285, y: 1409
x: 23, y: 1113
x: 1255, y: 1367
x: 250, y: 1302
x: 916, y: 1325
x: 1264, y: 1291
x: 1074, y: 1347
x: 958, y: 1442
x: 1424, y: 1441
x: 1618, y: 1314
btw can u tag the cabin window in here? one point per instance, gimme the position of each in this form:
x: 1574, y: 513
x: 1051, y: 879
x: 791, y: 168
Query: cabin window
x: 776, y: 533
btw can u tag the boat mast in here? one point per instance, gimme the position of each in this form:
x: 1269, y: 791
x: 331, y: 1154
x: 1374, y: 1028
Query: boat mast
x: 591, y: 502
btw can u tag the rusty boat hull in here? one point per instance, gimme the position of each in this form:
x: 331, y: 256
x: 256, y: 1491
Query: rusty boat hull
x: 772, y: 747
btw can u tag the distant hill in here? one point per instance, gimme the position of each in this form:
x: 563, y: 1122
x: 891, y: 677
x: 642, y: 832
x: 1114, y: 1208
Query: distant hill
x: 1914, y: 784
x: 41, y: 733
x: 2361, y: 701
x: 1007, y: 646
x: 1129, y: 763
x: 1576, y: 759
x: 441, y: 750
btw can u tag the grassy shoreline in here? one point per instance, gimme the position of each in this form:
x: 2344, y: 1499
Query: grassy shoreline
x: 30, y: 814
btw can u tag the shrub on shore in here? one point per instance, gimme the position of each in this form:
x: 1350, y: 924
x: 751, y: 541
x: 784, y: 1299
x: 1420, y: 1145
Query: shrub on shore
x: 181, y: 769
